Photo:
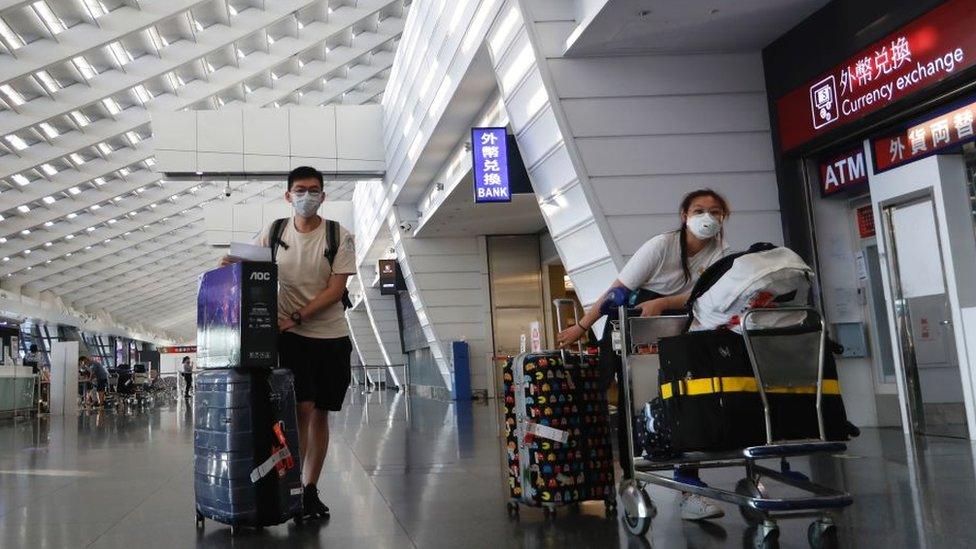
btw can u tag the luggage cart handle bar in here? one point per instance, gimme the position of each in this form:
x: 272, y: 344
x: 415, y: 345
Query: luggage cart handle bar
x: 755, y: 366
x: 557, y: 303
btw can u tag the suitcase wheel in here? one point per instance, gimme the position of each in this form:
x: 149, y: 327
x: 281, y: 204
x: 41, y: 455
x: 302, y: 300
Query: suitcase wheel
x: 299, y: 520
x: 200, y: 521
x: 513, y: 508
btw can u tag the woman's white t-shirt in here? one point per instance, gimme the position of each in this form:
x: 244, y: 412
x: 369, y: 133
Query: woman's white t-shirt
x: 656, y: 266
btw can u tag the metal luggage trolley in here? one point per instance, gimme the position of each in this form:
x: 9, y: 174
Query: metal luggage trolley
x: 778, y: 360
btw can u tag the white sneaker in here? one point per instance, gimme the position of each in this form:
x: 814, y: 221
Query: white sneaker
x: 695, y: 507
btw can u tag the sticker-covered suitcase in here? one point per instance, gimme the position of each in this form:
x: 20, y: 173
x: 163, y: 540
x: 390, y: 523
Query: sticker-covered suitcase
x: 245, y: 444
x: 557, y: 432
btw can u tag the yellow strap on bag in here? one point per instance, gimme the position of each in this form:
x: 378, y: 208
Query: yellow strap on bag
x: 740, y: 384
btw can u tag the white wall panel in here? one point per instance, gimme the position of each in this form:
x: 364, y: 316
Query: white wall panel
x: 670, y: 154
x: 266, y: 133
x: 312, y: 132
x: 219, y: 162
x: 220, y: 131
x: 624, y: 76
x: 667, y: 115
x: 652, y: 193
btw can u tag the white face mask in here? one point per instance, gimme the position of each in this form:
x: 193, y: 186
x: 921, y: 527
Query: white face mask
x: 306, y: 204
x: 704, y: 225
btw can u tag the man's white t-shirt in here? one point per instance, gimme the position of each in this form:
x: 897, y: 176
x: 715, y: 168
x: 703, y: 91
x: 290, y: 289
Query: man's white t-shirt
x: 656, y: 266
x: 303, y: 272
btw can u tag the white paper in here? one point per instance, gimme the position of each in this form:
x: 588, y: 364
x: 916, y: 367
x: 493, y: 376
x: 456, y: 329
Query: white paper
x: 249, y: 252
x: 545, y: 431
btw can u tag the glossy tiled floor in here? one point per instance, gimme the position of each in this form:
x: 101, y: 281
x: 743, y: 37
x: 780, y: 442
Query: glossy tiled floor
x: 426, y: 474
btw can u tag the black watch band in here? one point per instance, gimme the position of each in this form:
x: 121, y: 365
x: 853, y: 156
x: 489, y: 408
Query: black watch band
x: 296, y: 317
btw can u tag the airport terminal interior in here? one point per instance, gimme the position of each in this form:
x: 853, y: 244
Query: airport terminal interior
x: 487, y: 273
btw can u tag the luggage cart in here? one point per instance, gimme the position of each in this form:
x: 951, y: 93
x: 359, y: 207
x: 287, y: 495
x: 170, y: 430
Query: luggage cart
x: 777, y: 360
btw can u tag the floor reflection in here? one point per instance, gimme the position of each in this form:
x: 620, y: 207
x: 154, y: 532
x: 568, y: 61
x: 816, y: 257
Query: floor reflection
x: 414, y: 472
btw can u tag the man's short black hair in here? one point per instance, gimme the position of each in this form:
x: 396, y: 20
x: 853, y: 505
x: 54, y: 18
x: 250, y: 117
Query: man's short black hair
x: 305, y: 172
x: 33, y: 348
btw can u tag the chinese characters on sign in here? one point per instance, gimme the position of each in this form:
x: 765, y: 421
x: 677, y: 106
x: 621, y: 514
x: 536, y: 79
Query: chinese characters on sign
x: 843, y: 171
x: 924, y: 52
x: 943, y: 131
x: 865, y: 221
x: 489, y: 151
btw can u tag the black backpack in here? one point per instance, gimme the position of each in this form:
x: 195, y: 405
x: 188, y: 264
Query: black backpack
x: 331, y: 246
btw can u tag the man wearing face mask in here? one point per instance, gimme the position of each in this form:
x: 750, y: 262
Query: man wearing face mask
x: 314, y: 337
x: 662, y: 274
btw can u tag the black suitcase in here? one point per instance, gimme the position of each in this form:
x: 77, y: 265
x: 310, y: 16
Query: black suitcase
x: 557, y: 431
x: 247, y: 470
x: 711, y: 402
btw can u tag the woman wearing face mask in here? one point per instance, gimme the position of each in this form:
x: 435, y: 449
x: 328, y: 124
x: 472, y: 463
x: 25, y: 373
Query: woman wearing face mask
x: 662, y: 272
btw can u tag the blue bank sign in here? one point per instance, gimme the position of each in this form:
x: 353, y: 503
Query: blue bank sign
x: 489, y: 150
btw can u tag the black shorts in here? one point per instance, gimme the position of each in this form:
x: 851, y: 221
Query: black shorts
x: 101, y: 384
x: 321, y: 368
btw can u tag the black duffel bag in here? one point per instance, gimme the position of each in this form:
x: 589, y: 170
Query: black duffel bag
x: 711, y: 401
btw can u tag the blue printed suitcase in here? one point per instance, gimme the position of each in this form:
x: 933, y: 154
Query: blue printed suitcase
x: 557, y: 432
x: 245, y: 439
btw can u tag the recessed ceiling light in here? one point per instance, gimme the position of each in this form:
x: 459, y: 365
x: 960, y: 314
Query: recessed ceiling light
x: 6, y: 259
x: 96, y: 206
x: 90, y: 229
x: 27, y: 252
x: 49, y: 199
x: 49, y: 169
x: 72, y: 215
x: 17, y: 142
x: 47, y: 244
x: 48, y: 130
x: 23, y: 208
x: 88, y: 247
x: 112, y: 221
x: 112, y: 105
x: 69, y: 237
x: 20, y: 179
x: 25, y: 232
x: 80, y: 118
x: 50, y: 84
x: 52, y: 21
x: 48, y: 223
x: 74, y: 190
x: 15, y: 97
x: 13, y: 39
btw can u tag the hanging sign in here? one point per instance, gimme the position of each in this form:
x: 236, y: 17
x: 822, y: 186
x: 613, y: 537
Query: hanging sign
x: 929, y: 137
x: 924, y: 52
x: 843, y: 171
x: 489, y: 151
x: 180, y: 350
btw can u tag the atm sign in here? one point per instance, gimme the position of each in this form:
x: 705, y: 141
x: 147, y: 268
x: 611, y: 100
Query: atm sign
x: 842, y: 172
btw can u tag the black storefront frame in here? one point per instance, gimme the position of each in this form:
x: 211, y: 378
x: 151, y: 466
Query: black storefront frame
x: 827, y: 38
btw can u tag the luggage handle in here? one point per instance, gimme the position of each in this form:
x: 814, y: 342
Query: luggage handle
x: 557, y: 303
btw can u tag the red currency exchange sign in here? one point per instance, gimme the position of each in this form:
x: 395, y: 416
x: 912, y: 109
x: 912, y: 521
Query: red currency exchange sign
x: 929, y: 49
x: 938, y: 133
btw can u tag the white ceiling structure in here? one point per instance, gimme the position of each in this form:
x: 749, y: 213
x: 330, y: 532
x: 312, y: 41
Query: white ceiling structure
x: 84, y: 218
